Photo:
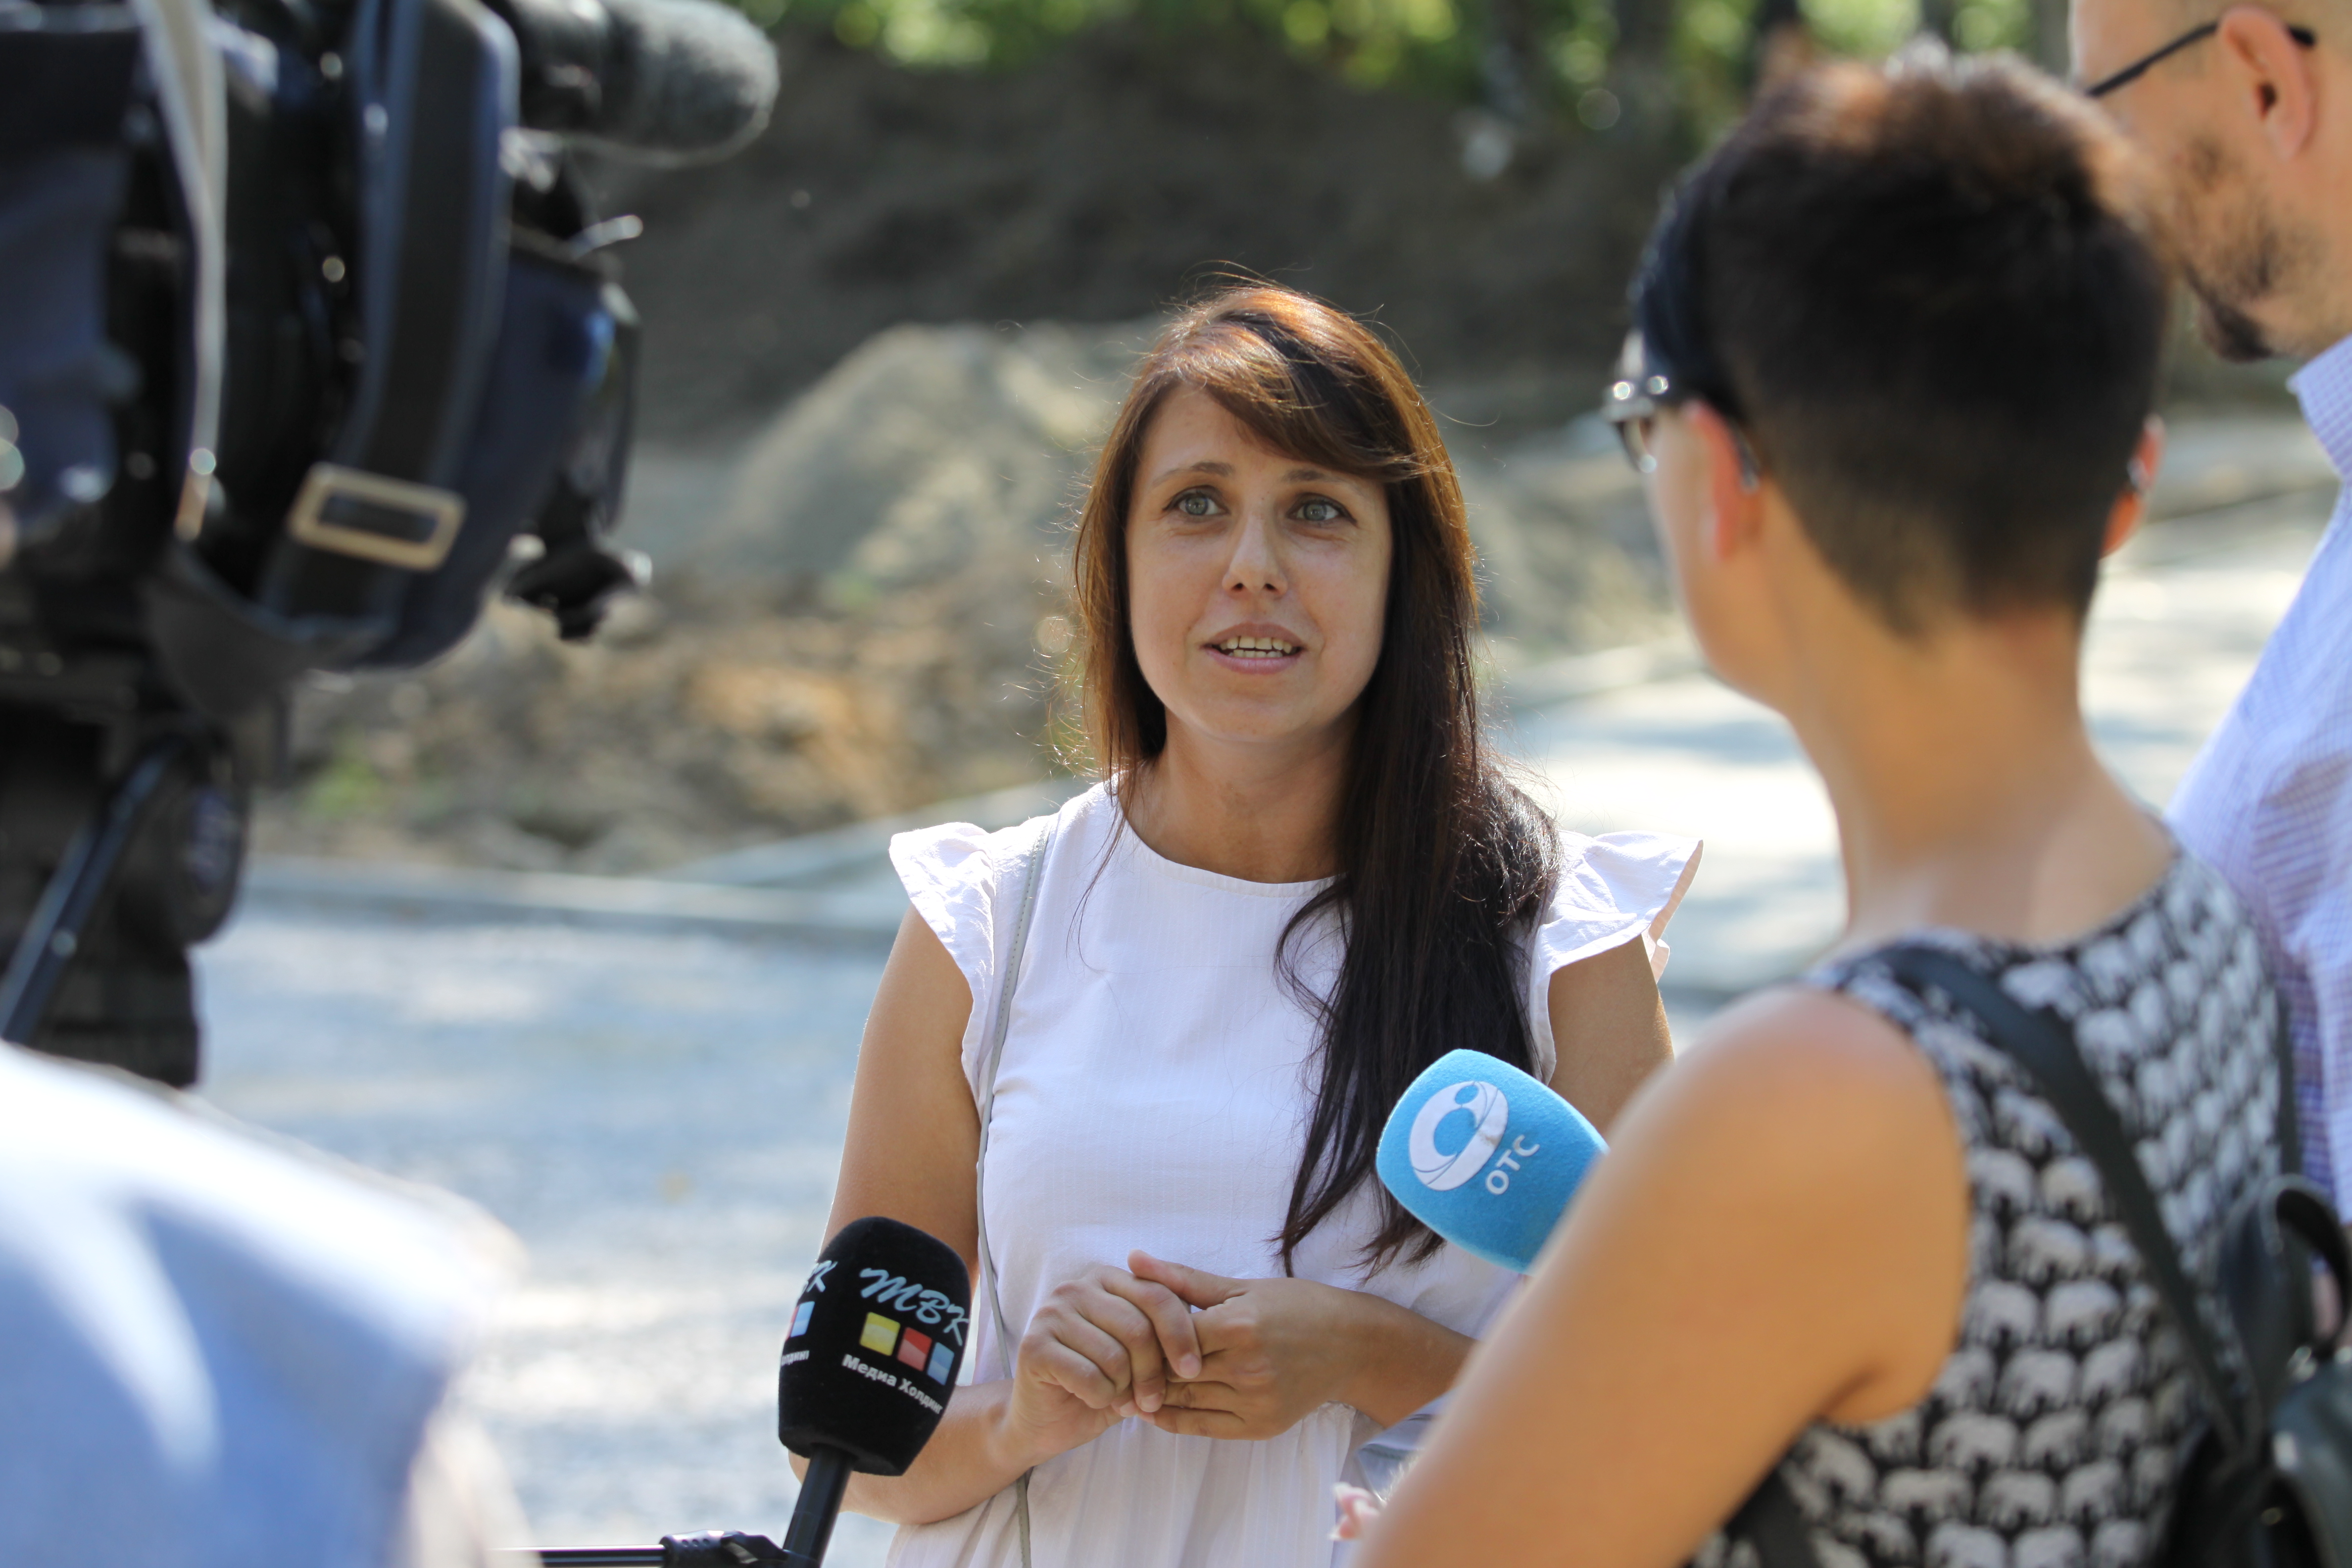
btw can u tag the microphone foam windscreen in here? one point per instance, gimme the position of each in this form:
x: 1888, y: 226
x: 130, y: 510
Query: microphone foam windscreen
x: 1485, y: 1156
x: 876, y: 1340
x: 689, y: 81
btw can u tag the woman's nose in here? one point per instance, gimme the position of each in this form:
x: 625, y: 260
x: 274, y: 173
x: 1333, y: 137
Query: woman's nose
x: 1256, y: 566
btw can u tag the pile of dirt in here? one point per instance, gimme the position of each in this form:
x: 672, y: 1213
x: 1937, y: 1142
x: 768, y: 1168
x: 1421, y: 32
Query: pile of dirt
x: 937, y: 456
x: 867, y: 614
x: 929, y: 454
x: 684, y: 729
x: 859, y: 465
x: 1097, y: 184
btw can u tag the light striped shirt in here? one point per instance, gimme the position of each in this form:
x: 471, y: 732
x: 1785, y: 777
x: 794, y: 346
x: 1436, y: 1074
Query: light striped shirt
x: 2268, y: 803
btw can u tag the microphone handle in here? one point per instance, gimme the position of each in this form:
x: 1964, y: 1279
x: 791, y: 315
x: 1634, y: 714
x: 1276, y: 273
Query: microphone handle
x: 657, y: 1556
x: 820, y: 1505
x: 811, y: 1528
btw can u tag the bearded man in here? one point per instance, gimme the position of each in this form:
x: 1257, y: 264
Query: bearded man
x: 2246, y: 115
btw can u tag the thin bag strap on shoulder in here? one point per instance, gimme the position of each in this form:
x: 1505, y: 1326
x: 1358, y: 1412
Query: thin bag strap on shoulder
x: 1031, y: 865
x: 2045, y: 1048
x: 1771, y: 1521
x: 1032, y: 871
x: 2290, y: 1124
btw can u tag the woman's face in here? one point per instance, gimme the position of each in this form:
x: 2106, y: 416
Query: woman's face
x: 1256, y: 582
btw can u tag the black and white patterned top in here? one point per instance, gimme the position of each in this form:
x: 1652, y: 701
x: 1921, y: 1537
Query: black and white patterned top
x: 2052, y: 1437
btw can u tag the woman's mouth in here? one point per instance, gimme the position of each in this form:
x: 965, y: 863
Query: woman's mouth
x: 1255, y: 648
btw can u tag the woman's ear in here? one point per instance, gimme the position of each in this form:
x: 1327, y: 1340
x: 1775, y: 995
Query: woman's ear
x: 1734, y: 484
x: 2131, y: 507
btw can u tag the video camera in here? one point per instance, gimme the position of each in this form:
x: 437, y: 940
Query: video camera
x: 310, y: 339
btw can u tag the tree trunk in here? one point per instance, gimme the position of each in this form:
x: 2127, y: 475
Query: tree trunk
x: 1507, y: 65
x: 2049, y: 45
x: 1640, y: 73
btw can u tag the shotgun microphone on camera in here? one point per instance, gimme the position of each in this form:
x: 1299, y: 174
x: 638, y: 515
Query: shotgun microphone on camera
x: 1485, y: 1156
x: 667, y: 81
x: 876, y: 1340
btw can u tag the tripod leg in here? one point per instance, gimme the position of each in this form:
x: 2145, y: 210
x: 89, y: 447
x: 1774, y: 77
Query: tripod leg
x: 54, y: 932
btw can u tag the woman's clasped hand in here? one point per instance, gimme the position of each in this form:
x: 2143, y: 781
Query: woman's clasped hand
x: 1190, y: 1351
x: 1104, y: 1347
x: 1273, y: 1351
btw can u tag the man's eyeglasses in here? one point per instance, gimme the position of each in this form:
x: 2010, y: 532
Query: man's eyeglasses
x: 2140, y: 68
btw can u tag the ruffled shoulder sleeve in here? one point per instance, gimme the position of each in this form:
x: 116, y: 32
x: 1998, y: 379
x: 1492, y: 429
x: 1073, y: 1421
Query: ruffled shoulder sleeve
x: 1613, y: 890
x: 965, y: 883
x: 950, y: 873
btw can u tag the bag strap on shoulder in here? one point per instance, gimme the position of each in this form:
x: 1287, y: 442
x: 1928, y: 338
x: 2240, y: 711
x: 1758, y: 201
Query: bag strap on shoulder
x: 1771, y: 1521
x: 2044, y: 1047
x: 2290, y: 1126
x: 1031, y: 871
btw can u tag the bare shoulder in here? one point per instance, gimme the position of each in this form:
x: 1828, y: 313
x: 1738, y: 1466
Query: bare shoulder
x: 1816, y: 1103
x: 1810, y: 1056
x: 919, y: 968
x: 1777, y: 1235
x: 1806, y: 1147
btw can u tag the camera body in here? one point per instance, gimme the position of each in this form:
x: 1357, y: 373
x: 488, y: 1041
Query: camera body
x: 319, y: 343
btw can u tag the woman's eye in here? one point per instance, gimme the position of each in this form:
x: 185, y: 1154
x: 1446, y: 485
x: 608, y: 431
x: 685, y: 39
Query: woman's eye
x: 1315, y: 508
x: 1197, y: 504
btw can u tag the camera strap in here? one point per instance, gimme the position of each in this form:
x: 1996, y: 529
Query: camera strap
x: 433, y: 87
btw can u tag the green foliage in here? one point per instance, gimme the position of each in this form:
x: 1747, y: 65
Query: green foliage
x: 1421, y: 43
x: 1711, y: 59
x: 1427, y: 45
x: 1984, y: 25
x: 1863, y: 28
x: 347, y: 787
x: 1870, y: 28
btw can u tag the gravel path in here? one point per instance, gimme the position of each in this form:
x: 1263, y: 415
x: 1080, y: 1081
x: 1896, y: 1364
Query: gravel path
x: 658, y: 1116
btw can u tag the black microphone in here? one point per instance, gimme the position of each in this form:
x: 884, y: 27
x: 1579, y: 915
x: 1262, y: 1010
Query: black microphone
x: 876, y: 1340
x: 651, y: 80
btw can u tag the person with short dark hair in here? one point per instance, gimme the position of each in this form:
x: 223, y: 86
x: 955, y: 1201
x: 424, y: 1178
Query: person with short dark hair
x: 1897, y: 344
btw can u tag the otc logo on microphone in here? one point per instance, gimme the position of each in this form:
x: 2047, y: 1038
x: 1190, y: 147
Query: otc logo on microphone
x: 1479, y: 1109
x: 1485, y: 1156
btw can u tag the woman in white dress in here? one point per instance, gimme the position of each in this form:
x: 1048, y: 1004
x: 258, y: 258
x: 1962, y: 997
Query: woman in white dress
x: 1302, y: 879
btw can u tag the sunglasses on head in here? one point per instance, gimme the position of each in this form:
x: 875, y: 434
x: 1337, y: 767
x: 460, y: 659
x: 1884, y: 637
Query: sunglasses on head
x: 1632, y: 405
x: 1641, y: 391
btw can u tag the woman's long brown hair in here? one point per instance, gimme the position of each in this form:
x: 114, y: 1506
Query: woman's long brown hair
x: 1442, y: 865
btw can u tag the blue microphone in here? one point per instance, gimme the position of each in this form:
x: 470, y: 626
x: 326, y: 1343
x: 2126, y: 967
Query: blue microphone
x: 1485, y: 1156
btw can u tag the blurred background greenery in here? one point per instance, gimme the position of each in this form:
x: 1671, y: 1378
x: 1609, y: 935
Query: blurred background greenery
x: 1520, y: 58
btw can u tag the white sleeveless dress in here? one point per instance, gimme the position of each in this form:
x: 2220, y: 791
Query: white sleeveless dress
x: 1153, y: 1093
